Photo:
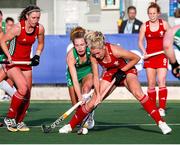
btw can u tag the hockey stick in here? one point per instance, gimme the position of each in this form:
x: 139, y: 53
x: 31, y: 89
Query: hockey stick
x: 47, y: 129
x: 95, y: 106
x: 16, y: 62
x: 153, y: 54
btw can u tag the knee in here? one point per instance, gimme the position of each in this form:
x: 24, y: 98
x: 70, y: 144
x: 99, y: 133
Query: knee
x: 162, y: 81
x: 138, y: 94
x: 151, y: 84
x: 23, y: 90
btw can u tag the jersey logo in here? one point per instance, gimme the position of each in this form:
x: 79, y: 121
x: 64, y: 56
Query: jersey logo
x: 116, y: 63
x: 161, y: 33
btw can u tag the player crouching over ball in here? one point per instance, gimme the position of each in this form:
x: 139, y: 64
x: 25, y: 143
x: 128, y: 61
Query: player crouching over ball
x: 113, y: 58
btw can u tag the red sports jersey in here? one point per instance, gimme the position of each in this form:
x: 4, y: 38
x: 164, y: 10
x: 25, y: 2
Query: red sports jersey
x: 155, y: 44
x: 114, y: 65
x: 23, y: 44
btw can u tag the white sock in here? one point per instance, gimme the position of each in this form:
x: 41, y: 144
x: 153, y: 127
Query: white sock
x: 7, y: 88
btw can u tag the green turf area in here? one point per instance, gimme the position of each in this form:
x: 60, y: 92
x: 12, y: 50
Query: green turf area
x: 117, y: 122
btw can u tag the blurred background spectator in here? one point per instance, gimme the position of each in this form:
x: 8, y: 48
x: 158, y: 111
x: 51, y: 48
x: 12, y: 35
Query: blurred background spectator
x: 131, y: 25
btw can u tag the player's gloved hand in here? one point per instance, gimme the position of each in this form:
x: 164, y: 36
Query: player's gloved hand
x: 35, y: 60
x: 120, y: 76
x: 176, y: 69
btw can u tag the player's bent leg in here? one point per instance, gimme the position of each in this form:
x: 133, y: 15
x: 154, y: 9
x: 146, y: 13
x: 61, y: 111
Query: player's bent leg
x: 78, y: 117
x: 148, y: 105
x: 72, y: 94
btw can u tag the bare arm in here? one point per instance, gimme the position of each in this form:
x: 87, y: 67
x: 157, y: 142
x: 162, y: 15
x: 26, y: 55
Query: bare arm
x: 40, y: 38
x: 14, y: 31
x: 94, y: 64
x: 141, y: 38
x: 70, y: 62
x: 168, y: 43
x: 122, y: 53
x: 166, y: 25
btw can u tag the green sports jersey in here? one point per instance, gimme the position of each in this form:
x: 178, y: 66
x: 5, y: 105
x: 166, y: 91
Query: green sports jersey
x: 2, y: 55
x: 177, y: 39
x: 3, y: 25
x: 11, y: 43
x: 82, y: 69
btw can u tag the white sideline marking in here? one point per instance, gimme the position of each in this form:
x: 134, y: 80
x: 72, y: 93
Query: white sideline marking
x: 126, y: 124
x: 116, y: 125
x: 138, y: 124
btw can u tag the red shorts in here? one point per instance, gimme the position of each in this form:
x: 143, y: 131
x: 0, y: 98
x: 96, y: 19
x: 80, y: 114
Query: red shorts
x: 159, y: 61
x: 107, y: 75
x: 22, y: 67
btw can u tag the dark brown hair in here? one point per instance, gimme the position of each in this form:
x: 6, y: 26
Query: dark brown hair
x: 131, y: 8
x: 28, y: 10
x: 9, y: 19
x: 77, y: 32
x: 154, y: 5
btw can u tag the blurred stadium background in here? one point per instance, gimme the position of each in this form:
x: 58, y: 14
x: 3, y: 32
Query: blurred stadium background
x: 60, y: 16
x: 124, y: 121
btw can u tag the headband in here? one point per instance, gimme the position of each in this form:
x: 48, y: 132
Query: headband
x: 33, y: 10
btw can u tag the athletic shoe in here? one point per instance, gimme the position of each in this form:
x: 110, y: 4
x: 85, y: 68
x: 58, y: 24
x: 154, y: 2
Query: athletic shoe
x: 65, y: 129
x: 162, y: 112
x: 90, y: 122
x: 5, y: 98
x: 11, y: 124
x: 164, y: 127
x: 22, y: 127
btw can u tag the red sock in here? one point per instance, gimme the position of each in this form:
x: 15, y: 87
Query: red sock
x: 15, y: 104
x: 152, y: 95
x: 80, y: 114
x: 23, y: 108
x: 151, y: 108
x: 162, y: 97
x: 22, y: 111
